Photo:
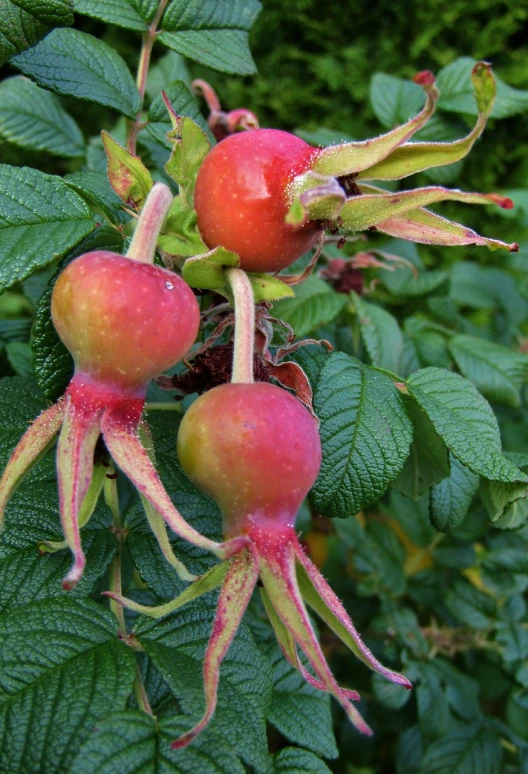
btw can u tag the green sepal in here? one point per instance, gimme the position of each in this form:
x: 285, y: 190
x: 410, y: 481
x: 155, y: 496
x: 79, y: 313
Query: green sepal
x: 190, y: 146
x: 269, y: 288
x: 181, y: 237
x: 128, y: 176
x: 315, y: 197
x: 207, y: 271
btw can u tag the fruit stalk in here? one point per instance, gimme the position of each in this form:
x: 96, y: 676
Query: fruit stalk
x: 244, y: 305
x: 143, y: 244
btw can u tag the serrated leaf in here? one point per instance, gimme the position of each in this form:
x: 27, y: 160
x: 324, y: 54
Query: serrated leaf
x: 177, y: 644
x: 472, y: 285
x: 79, y: 65
x: 22, y: 23
x: 33, y: 118
x: 469, y: 605
x: 465, y: 422
x: 451, y: 498
x: 292, y: 760
x: 389, y: 694
x: 464, y: 750
x: 119, y: 12
x: 213, y: 34
x: 433, y: 710
x: 456, y: 92
x: 381, y: 333
x: 315, y: 304
x: 128, y: 176
x: 40, y: 219
x: 428, y: 460
x: 95, y: 188
x: 52, y: 362
x: 394, y: 100
x: 497, y: 372
x: 62, y: 670
x: 365, y: 435
x: 135, y: 741
x: 20, y: 359
x: 507, y: 503
x: 184, y: 104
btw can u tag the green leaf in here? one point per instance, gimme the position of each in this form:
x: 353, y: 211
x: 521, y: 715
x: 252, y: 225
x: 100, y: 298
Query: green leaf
x: 465, y: 422
x: 177, y: 644
x: 514, y: 640
x: 52, y: 362
x: 381, y: 334
x: 428, y: 460
x: 394, y: 100
x: 128, y: 176
x: 213, y: 34
x: 23, y: 22
x: 465, y: 750
x: 207, y: 271
x: 389, y: 694
x: 298, y: 711
x: 414, y: 518
x: 269, y: 288
x: 433, y: 709
x: 62, y: 670
x: 497, y: 372
x: 470, y: 606
x: 119, y: 12
x: 456, y: 92
x: 40, y: 219
x: 184, y: 104
x: 292, y: 760
x: 365, y: 435
x: 315, y: 304
x: 79, y: 65
x: 134, y: 741
x: 403, y: 281
x: 19, y: 356
x: 451, y: 498
x: 472, y: 285
x: 95, y: 188
x: 462, y: 691
x: 190, y: 146
x: 507, y: 504
x: 33, y: 118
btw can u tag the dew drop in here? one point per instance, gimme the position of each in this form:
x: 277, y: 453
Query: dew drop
x: 169, y: 285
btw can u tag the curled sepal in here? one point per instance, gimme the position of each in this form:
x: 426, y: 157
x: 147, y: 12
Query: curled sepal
x: 373, y: 207
x: 314, y: 197
x: 87, y: 508
x: 190, y: 146
x: 232, y: 602
x: 320, y: 597
x: 278, y: 574
x: 32, y: 446
x: 128, y: 453
x: 127, y: 174
x: 289, y: 650
x: 207, y: 582
x: 75, y: 452
x: 352, y: 157
x: 411, y: 158
x: 427, y: 228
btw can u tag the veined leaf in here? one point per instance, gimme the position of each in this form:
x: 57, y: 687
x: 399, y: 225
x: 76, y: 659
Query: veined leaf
x: 33, y: 118
x: 119, y: 12
x: 79, y: 65
x: 381, y: 333
x: 212, y: 33
x: 315, y: 304
x: 293, y: 760
x: 23, y: 23
x: 496, y: 371
x: 465, y: 422
x: 40, y: 219
x: 451, y: 498
x: 394, y: 100
x: 465, y: 750
x: 62, y: 669
x: 365, y: 434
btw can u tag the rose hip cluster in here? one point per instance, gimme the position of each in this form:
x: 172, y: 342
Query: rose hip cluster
x: 267, y: 196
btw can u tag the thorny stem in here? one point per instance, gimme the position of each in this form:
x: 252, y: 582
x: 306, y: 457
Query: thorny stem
x: 149, y: 37
x: 143, y: 244
x: 244, y: 306
x: 112, y: 500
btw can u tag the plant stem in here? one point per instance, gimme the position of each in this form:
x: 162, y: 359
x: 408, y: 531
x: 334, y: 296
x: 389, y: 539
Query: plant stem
x: 244, y: 306
x: 112, y: 500
x: 143, y: 244
x: 149, y: 38
x: 140, y: 692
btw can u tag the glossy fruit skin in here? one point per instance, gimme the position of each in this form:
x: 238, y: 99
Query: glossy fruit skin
x: 241, y: 198
x: 255, y: 449
x: 123, y: 321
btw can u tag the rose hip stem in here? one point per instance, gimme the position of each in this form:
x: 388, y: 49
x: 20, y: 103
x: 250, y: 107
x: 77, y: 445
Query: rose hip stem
x: 244, y: 306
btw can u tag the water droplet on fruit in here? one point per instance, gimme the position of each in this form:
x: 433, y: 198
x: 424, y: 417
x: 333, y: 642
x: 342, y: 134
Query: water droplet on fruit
x: 169, y: 285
